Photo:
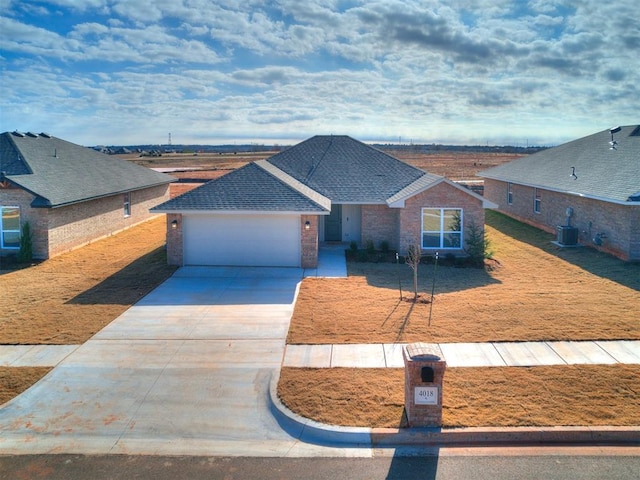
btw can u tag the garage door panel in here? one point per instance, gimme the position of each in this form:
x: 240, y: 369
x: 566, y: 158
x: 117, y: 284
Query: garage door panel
x: 246, y: 240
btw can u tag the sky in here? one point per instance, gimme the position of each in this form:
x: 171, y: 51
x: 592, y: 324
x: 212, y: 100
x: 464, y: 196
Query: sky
x: 474, y: 72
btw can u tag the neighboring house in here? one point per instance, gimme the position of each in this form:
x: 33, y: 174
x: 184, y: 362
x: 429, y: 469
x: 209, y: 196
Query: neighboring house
x: 70, y: 195
x: 326, y: 189
x: 587, y: 191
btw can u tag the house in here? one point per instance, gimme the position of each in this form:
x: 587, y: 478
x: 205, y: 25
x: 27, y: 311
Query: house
x: 587, y: 191
x: 69, y: 194
x: 275, y: 212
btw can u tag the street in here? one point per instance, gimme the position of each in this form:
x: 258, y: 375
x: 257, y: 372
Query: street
x: 558, y: 463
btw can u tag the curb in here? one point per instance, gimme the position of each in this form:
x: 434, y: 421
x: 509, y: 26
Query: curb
x: 310, y: 431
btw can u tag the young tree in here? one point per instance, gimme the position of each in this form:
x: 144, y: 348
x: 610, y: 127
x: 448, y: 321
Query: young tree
x: 413, y: 260
x: 477, y: 245
x: 25, y: 254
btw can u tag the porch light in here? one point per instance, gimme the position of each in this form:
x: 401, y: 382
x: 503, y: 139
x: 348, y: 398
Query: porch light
x: 174, y: 224
x: 307, y: 225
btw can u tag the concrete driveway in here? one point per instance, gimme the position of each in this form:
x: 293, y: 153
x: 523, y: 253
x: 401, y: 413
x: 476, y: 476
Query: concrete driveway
x: 186, y: 371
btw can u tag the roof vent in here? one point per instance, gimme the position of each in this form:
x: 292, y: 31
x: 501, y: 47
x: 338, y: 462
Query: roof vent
x: 636, y: 132
x: 18, y: 134
x: 45, y: 135
x: 31, y: 134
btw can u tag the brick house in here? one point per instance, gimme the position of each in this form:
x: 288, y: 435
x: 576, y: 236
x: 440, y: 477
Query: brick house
x: 275, y: 212
x: 69, y: 194
x: 586, y: 191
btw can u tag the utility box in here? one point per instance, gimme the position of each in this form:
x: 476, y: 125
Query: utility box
x: 424, y: 370
x: 567, y: 235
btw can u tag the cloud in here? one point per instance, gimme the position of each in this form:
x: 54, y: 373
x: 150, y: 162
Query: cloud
x: 421, y: 69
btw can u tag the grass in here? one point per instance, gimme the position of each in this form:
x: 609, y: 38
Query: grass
x: 594, y: 395
x: 535, y: 292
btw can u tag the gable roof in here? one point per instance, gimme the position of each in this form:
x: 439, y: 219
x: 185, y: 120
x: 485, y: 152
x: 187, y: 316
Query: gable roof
x: 248, y: 189
x: 602, y: 173
x: 308, y: 178
x: 61, y: 173
x: 346, y: 170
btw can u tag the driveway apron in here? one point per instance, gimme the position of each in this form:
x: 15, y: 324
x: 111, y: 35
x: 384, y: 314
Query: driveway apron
x: 185, y: 371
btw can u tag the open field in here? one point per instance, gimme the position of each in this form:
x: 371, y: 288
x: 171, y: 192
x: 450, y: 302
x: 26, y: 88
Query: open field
x: 207, y: 165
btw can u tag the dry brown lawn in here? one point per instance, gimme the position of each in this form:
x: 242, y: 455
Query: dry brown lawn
x: 472, y: 397
x: 69, y: 298
x: 533, y: 291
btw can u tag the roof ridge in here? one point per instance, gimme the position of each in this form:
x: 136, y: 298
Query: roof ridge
x: 298, y: 186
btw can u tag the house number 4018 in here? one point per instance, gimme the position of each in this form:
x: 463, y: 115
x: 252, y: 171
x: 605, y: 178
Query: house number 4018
x: 426, y: 395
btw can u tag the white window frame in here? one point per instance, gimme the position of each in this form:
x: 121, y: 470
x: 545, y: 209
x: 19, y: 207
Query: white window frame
x: 509, y: 193
x: 3, y: 230
x: 537, y: 200
x: 442, y: 232
x: 127, y: 204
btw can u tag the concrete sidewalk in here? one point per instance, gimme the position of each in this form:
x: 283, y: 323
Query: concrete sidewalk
x: 499, y: 354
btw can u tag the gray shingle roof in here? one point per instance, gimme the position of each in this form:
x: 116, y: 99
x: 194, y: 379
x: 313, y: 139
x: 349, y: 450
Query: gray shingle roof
x: 307, y: 178
x: 250, y: 188
x: 60, y: 173
x: 602, y: 173
x: 346, y: 170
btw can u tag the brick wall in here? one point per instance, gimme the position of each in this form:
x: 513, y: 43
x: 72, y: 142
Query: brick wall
x: 175, y: 252
x: 309, y: 241
x: 37, y: 218
x: 379, y: 223
x: 439, y: 196
x: 619, y: 223
x: 76, y: 225
x: 58, y: 230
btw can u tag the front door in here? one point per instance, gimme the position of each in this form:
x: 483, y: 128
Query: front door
x: 333, y: 224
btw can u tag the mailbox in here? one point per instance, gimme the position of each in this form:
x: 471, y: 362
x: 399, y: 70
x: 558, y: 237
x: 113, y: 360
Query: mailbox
x: 424, y: 375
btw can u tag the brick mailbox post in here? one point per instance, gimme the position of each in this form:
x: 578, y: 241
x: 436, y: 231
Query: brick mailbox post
x: 423, y: 377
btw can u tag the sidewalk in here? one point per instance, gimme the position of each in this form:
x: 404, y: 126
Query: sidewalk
x: 499, y: 354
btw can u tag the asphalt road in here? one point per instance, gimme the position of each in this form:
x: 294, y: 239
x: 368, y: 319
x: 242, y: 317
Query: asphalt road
x: 527, y: 464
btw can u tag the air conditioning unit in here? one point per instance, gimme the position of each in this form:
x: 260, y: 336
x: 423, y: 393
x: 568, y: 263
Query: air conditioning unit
x: 567, y: 235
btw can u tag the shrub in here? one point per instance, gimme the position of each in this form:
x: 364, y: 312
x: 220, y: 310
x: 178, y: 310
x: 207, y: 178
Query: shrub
x: 371, y: 248
x: 25, y: 254
x: 477, y: 245
x: 353, y: 246
x: 384, y: 246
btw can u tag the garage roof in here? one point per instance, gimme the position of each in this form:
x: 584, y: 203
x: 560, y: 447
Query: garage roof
x: 250, y: 188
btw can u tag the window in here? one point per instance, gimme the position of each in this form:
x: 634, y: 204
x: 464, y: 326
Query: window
x: 442, y: 228
x: 536, y: 200
x: 509, y: 193
x: 10, y: 227
x: 127, y: 204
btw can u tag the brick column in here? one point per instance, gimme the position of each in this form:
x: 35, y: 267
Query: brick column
x: 423, y: 379
x: 174, y: 239
x: 309, y: 240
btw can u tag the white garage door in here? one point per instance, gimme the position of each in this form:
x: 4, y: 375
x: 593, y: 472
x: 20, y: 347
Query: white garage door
x: 246, y: 240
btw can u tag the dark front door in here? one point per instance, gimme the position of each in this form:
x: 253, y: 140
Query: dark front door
x: 333, y: 224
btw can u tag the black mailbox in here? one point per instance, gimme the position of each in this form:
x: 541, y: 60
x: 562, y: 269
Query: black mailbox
x: 426, y: 374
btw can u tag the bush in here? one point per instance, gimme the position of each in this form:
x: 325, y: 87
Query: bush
x: 353, y: 246
x: 477, y: 245
x: 371, y: 248
x: 384, y: 246
x: 25, y: 254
